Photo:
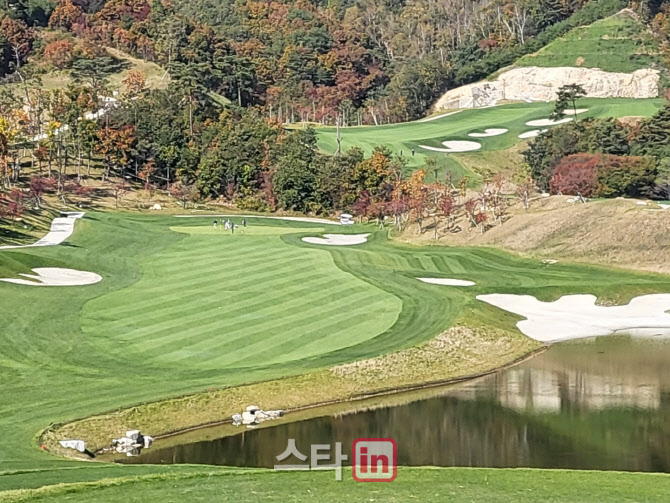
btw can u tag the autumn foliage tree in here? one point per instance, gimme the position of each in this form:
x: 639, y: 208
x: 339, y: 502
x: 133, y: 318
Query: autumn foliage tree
x: 184, y: 193
x: 576, y: 175
x: 115, y: 147
x: 12, y: 204
x: 38, y: 187
x: 19, y: 37
x: 59, y: 53
x: 65, y: 15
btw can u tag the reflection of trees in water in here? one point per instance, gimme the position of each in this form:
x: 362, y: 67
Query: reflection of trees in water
x: 452, y: 432
x: 596, y: 405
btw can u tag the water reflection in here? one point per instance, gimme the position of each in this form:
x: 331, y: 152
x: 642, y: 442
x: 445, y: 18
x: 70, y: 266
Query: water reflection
x: 601, y: 403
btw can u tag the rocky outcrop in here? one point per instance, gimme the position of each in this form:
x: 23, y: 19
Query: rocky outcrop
x: 540, y: 84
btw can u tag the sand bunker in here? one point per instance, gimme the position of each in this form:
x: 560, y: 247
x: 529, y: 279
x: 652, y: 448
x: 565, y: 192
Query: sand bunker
x: 576, y: 112
x: 489, y: 132
x: 61, y: 229
x: 455, y: 146
x: 532, y: 134
x: 55, y: 276
x: 447, y: 281
x: 294, y: 219
x: 578, y: 316
x: 338, y: 239
x: 548, y: 122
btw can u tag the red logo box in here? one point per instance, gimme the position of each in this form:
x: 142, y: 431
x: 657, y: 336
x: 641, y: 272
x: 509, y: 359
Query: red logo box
x: 374, y: 460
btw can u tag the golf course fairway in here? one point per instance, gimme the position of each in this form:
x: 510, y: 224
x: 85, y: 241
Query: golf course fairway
x: 184, y: 308
x: 403, y: 137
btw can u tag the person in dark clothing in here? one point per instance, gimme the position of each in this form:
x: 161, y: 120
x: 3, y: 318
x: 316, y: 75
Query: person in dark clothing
x: 244, y: 222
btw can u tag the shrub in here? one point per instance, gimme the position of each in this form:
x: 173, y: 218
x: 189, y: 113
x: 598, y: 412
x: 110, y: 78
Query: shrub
x: 597, y: 175
x: 576, y: 174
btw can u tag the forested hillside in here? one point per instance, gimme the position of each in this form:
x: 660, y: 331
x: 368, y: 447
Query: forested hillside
x: 363, y: 61
x: 193, y: 97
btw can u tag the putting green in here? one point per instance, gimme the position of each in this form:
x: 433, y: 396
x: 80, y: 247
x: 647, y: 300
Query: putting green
x: 407, y: 136
x: 180, y: 312
x: 243, y: 300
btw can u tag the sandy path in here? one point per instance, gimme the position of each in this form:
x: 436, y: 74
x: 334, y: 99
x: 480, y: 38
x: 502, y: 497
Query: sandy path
x: 56, y: 276
x: 338, y: 239
x: 294, y: 219
x: 578, y: 316
x: 447, y: 281
x: 61, y: 229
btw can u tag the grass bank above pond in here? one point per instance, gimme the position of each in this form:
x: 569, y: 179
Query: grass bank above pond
x: 182, y: 309
x: 459, y: 353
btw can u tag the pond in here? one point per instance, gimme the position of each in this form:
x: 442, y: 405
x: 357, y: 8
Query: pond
x: 599, y: 403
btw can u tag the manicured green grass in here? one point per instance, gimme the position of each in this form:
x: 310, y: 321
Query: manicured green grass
x: 619, y: 43
x: 444, y: 484
x: 183, y: 308
x: 407, y: 136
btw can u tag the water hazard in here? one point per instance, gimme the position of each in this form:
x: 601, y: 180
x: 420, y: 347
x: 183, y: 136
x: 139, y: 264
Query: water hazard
x: 601, y: 403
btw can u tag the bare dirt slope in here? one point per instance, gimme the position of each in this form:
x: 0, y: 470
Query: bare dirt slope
x: 614, y: 232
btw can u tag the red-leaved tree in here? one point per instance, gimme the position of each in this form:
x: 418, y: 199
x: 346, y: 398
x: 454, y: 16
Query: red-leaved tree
x: 576, y: 175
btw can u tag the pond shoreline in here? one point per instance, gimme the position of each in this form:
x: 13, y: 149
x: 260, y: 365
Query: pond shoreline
x: 96, y: 427
x: 372, y: 394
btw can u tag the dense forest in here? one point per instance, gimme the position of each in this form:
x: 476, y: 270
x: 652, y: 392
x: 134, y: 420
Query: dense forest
x: 239, y: 71
x: 354, y: 61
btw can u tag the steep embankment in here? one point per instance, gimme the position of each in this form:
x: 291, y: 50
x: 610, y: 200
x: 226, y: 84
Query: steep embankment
x: 615, y: 57
x: 614, y: 232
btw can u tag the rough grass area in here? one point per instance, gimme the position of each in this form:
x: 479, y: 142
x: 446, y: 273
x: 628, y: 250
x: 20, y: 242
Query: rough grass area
x: 196, y: 297
x: 32, y: 225
x: 441, y: 484
x: 619, y: 43
x: 598, y: 232
x: 407, y: 136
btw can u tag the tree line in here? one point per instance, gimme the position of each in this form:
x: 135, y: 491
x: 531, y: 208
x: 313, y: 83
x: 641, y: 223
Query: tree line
x: 349, y: 61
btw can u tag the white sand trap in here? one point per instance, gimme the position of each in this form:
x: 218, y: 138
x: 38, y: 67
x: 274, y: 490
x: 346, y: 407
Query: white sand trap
x: 578, y: 316
x: 338, y: 239
x: 436, y: 117
x: 532, y: 134
x: 447, y: 281
x: 55, y: 276
x: 548, y: 122
x: 61, y: 229
x: 489, y: 132
x: 294, y: 219
x: 576, y: 112
x: 455, y: 146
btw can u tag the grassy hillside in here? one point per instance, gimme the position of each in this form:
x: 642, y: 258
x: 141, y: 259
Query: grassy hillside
x: 407, y: 136
x: 595, y: 232
x: 156, y: 77
x: 172, y: 318
x: 619, y: 43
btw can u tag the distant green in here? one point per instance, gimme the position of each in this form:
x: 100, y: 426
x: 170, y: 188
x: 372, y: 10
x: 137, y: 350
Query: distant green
x: 402, y: 138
